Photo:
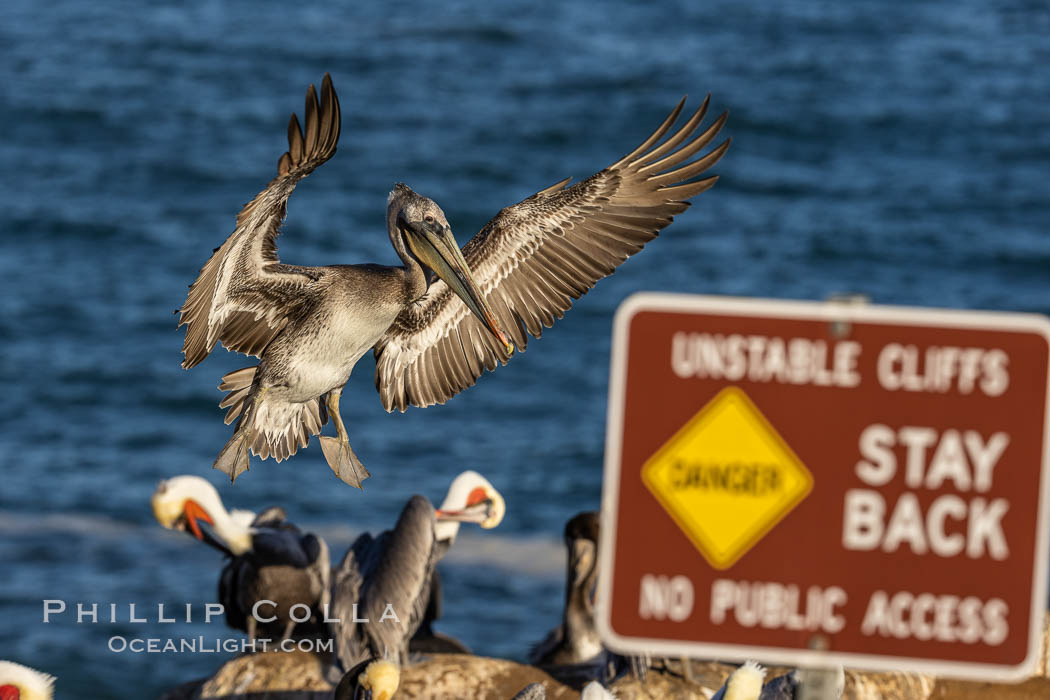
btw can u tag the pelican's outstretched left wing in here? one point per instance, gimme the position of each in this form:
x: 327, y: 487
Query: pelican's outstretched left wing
x: 244, y: 295
x: 536, y: 257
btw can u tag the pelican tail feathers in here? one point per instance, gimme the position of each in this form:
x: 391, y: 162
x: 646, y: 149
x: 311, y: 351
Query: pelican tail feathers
x: 267, y: 427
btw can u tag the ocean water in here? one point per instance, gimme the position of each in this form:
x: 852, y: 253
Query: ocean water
x: 894, y: 149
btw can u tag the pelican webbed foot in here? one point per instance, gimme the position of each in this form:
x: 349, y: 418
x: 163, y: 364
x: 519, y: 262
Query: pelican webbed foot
x: 343, y: 461
x: 233, y: 460
x: 337, y: 451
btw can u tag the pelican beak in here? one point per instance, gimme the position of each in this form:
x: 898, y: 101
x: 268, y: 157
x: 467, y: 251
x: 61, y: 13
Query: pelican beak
x: 581, y: 563
x: 191, y: 513
x: 581, y: 556
x: 194, y: 512
x: 475, y: 513
x: 434, y: 246
x: 378, y: 682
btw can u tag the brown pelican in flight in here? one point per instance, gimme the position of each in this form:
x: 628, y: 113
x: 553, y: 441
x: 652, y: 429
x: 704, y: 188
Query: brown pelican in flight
x: 386, y: 579
x: 18, y: 682
x: 432, y: 336
x: 270, y: 559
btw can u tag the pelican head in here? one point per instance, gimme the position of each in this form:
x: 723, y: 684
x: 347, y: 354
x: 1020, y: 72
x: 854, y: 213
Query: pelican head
x: 369, y: 680
x: 418, y: 228
x: 745, y: 683
x: 180, y: 503
x: 471, y: 499
x: 18, y: 682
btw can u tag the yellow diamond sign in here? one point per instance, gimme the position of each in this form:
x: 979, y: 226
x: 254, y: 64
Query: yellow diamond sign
x: 727, y: 477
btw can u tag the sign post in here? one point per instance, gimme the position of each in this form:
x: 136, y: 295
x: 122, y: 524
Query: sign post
x: 817, y: 484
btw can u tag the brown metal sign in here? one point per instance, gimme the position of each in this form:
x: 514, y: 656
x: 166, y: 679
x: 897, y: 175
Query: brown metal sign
x: 821, y: 483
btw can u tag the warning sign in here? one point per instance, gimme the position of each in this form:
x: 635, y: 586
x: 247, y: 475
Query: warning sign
x: 726, y: 477
x: 820, y: 484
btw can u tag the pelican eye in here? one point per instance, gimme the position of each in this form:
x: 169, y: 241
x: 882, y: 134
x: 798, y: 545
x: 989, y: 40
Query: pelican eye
x: 429, y: 218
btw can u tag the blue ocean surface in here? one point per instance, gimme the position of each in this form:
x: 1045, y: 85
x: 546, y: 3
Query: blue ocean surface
x: 899, y: 150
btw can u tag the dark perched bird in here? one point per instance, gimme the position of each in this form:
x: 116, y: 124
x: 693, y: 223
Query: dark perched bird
x: 467, y: 485
x: 573, y: 652
x: 576, y: 639
x: 436, y: 322
x: 372, y: 679
x: 386, y: 579
x: 275, y: 576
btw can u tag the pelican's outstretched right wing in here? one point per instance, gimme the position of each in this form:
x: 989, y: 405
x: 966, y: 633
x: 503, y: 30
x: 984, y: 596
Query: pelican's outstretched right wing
x: 534, y: 258
x: 244, y: 295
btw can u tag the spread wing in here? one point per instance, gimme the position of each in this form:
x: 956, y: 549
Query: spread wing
x: 536, y: 257
x: 244, y: 295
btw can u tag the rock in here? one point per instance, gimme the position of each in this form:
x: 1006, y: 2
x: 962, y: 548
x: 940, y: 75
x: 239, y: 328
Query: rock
x: 1031, y: 689
x: 302, y: 675
x: 1043, y: 667
x: 869, y: 685
x: 669, y: 681
x: 305, y: 676
x: 460, y: 676
x: 271, y: 675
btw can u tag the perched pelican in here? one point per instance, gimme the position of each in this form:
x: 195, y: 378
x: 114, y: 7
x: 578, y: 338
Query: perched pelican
x: 576, y: 639
x: 270, y: 559
x: 471, y: 486
x: 432, y: 338
x: 573, y: 652
x: 386, y: 579
x: 372, y: 679
x: 18, y: 682
x: 745, y: 683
